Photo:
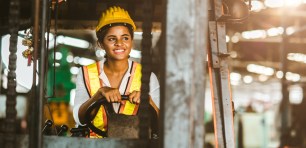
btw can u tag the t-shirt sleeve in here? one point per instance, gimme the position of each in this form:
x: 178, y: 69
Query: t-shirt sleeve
x: 81, y: 95
x: 155, y: 89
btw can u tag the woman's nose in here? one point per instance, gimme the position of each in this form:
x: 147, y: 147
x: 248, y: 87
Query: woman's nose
x: 119, y: 43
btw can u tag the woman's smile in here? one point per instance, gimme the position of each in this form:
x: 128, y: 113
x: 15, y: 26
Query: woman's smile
x: 118, y: 51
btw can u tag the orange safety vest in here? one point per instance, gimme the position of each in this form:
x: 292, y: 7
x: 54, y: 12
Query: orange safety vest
x: 93, y: 83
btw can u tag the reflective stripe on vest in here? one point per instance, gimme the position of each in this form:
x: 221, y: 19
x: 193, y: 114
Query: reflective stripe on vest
x: 134, y: 84
x: 93, y: 83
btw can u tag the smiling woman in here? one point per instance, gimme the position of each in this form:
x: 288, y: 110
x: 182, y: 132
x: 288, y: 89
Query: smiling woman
x: 117, y: 43
x: 115, y: 75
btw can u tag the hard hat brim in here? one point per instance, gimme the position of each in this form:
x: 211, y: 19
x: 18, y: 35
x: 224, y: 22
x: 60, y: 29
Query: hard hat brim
x: 113, y: 21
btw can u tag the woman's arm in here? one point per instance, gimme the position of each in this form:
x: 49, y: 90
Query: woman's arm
x: 82, y: 99
x: 81, y: 95
x: 154, y: 90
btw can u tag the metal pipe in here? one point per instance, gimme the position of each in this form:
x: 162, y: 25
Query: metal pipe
x: 0, y: 62
x: 35, y: 138
x: 162, y: 51
x: 42, y: 63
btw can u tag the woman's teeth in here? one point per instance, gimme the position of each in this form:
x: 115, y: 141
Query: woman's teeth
x: 118, y: 50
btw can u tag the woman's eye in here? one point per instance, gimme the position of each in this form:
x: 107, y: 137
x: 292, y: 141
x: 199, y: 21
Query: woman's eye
x: 111, y: 39
x: 126, y: 38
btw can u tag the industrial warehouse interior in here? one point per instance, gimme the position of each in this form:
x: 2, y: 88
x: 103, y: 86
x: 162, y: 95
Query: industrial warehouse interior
x: 231, y: 72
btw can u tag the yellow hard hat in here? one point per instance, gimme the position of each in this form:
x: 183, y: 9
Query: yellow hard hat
x: 115, y: 15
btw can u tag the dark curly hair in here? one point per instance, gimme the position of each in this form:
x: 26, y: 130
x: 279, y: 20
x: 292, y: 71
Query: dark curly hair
x: 103, y: 31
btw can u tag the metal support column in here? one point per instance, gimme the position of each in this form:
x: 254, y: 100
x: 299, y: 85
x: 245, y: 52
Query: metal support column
x: 183, y: 77
x: 1, y: 63
x: 219, y: 79
x: 285, y: 108
x: 36, y: 107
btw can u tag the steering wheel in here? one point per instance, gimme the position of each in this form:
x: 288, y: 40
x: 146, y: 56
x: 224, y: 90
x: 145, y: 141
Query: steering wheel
x: 108, y: 109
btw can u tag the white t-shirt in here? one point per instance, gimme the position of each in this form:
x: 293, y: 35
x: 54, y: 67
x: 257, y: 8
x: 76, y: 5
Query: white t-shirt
x: 81, y: 94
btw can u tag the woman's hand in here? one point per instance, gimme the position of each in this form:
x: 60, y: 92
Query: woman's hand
x: 111, y: 94
x: 134, y: 97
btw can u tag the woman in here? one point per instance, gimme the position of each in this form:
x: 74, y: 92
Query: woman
x: 115, y: 75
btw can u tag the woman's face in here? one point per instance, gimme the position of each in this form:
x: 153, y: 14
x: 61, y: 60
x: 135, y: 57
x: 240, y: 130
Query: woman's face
x: 117, y: 43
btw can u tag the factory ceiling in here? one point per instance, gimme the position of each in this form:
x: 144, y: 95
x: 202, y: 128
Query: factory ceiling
x: 263, y: 50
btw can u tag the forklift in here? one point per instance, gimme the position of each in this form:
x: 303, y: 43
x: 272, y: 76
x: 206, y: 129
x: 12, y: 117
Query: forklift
x: 190, y: 31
